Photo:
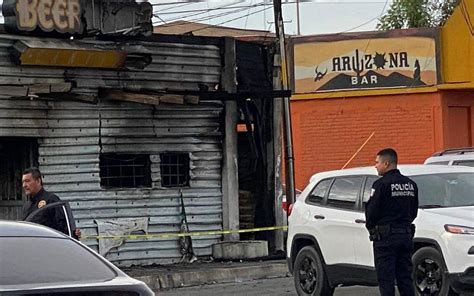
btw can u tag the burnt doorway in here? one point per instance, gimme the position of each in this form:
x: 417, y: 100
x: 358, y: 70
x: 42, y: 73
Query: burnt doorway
x: 16, y: 154
x: 256, y: 171
x: 255, y: 139
x: 247, y: 182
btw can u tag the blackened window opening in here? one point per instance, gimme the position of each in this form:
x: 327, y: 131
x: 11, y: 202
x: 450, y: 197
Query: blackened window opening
x: 174, y: 169
x: 125, y: 170
x: 16, y: 154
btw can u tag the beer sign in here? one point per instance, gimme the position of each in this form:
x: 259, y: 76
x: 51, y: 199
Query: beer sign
x: 61, y: 16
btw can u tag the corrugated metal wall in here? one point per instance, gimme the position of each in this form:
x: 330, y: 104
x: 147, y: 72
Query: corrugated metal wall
x: 69, y: 132
x: 174, y: 66
x: 69, y: 159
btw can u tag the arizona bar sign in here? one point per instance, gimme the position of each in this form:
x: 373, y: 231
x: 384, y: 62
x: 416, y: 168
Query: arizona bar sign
x: 365, y: 61
x: 62, y: 16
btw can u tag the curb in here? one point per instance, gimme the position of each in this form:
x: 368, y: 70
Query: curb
x: 229, y: 274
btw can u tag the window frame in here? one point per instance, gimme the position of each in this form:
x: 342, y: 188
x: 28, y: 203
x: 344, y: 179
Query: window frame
x: 358, y: 196
x: 360, y: 205
x: 187, y: 170
x: 440, y: 162
x: 461, y: 162
x: 147, y: 178
x: 323, y: 200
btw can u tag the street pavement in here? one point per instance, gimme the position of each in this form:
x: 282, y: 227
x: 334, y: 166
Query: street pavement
x: 275, y: 287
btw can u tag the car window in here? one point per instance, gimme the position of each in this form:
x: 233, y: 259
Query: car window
x: 465, y: 163
x: 439, y: 162
x: 319, y: 191
x: 368, y: 187
x: 344, y: 191
x: 33, y: 260
x: 445, y: 190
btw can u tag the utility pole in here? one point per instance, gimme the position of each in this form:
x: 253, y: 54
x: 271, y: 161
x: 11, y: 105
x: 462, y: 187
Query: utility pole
x: 288, y: 139
x: 298, y: 28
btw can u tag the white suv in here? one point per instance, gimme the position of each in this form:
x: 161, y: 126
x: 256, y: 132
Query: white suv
x: 457, y: 156
x: 328, y: 244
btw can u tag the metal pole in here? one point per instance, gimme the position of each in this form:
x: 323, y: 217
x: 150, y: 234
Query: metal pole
x: 289, y: 158
x: 298, y: 28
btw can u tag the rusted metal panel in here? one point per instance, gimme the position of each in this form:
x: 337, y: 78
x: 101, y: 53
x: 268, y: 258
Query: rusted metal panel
x: 71, y: 135
x: 173, y: 66
x: 69, y: 150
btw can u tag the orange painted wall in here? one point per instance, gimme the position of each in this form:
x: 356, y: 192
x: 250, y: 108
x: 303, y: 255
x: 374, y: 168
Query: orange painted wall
x: 458, y: 126
x: 327, y: 132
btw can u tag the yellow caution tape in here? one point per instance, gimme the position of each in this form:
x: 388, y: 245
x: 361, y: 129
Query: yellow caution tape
x: 181, y: 234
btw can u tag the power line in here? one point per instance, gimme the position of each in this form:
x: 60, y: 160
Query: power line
x: 200, y: 19
x: 160, y: 18
x: 203, y: 12
x: 203, y: 18
x: 266, y: 3
x: 231, y: 20
x: 237, y: 9
x: 372, y: 19
x: 171, y: 3
x: 248, y: 12
x: 174, y: 7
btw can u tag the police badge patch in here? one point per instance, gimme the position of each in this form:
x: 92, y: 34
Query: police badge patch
x: 41, y: 204
x: 372, y: 191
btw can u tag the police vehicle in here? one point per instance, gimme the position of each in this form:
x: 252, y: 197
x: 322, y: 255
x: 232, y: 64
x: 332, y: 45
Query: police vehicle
x: 328, y: 245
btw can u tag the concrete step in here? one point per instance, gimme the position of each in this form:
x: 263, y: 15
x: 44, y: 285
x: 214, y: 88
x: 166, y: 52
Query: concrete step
x: 186, y: 275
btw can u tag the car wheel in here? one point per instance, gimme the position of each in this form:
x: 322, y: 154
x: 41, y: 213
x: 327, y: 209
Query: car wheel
x: 428, y: 271
x: 309, y: 275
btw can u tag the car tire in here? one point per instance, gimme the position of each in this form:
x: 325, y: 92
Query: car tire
x: 428, y: 273
x: 309, y: 275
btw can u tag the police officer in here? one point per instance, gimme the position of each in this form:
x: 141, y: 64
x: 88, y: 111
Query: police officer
x: 389, y: 213
x: 38, y: 198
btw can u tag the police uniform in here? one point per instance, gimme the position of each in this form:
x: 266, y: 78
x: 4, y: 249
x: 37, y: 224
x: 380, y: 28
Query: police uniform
x: 390, y: 211
x: 53, y: 218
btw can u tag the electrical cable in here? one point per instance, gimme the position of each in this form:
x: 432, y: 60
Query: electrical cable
x: 231, y: 20
x: 200, y: 19
x: 248, y: 12
x: 203, y: 11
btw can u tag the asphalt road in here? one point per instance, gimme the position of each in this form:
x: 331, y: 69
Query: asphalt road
x: 274, y: 287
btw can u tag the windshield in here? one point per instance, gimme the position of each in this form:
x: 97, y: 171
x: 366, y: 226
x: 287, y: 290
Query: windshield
x: 445, y: 190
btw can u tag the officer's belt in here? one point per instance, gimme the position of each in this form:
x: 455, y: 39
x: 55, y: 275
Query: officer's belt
x: 400, y: 230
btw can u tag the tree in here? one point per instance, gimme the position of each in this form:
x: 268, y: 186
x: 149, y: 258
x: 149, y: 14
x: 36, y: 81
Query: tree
x: 416, y: 14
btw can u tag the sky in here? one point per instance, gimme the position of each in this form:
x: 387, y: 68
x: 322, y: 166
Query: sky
x: 316, y: 16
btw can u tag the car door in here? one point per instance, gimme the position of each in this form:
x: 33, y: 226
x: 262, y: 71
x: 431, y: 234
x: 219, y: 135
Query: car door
x: 65, y: 210
x: 362, y: 244
x: 335, y: 217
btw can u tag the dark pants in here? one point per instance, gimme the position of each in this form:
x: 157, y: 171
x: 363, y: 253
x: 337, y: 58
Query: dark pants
x: 392, y: 256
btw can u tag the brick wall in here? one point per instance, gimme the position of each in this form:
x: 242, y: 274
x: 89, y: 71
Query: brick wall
x: 327, y: 132
x: 458, y: 122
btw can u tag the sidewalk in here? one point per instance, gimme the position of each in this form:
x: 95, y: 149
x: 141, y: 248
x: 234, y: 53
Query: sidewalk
x: 164, y: 277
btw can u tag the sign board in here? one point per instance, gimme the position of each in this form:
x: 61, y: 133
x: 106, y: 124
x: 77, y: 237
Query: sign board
x: 62, y: 16
x: 405, y: 61
x: 78, y: 17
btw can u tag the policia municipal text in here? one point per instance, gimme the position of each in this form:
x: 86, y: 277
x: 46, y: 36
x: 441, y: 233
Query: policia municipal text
x: 390, y: 211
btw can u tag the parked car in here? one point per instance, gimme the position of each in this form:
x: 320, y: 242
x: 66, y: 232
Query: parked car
x: 458, y: 156
x: 38, y: 260
x: 328, y: 244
